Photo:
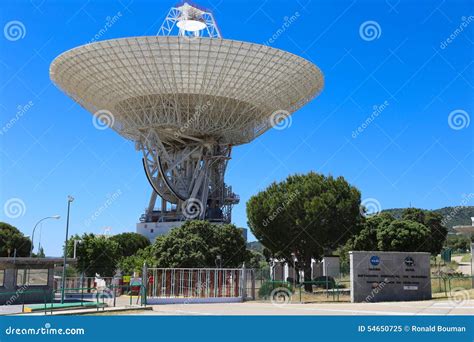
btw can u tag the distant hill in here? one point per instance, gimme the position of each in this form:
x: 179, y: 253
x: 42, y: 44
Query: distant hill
x: 255, y: 246
x: 453, y: 216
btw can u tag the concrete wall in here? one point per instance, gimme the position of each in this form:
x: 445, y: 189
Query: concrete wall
x: 153, y: 229
x: 389, y: 276
x: 329, y: 266
x: 11, y: 294
x: 316, y: 270
x: 278, y: 271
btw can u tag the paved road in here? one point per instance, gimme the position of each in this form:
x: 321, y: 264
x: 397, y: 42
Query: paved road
x: 464, y: 306
x: 256, y: 308
x: 464, y: 267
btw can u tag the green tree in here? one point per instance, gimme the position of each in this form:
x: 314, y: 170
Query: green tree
x: 305, y: 216
x: 438, y: 232
x: 95, y: 254
x: 366, y: 239
x: 12, y: 238
x: 402, y: 235
x: 458, y: 243
x: 134, y: 263
x: 433, y: 221
x: 130, y: 243
x: 198, y: 243
x: 416, y: 230
x: 256, y: 260
x: 41, y: 253
x: 413, y: 214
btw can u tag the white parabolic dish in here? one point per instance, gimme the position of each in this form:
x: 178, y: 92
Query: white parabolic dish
x: 217, y: 89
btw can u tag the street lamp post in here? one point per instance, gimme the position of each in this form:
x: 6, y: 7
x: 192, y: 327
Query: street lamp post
x: 63, y: 280
x: 56, y: 217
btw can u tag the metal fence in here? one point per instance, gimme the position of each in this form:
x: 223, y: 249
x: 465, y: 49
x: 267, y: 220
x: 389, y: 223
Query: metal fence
x: 80, y: 282
x: 193, y: 284
x: 339, y: 290
x: 189, y: 282
x: 48, y: 300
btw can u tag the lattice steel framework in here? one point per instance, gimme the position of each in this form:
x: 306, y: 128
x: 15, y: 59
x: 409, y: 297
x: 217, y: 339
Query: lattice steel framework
x: 186, y: 11
x: 186, y: 102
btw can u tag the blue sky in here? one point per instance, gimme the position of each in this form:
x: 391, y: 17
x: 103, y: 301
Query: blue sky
x: 417, y: 151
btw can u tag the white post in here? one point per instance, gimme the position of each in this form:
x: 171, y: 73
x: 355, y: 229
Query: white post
x: 244, y: 282
x: 472, y: 272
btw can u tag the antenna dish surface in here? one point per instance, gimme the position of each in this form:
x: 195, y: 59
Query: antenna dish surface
x: 199, y: 87
x: 186, y: 97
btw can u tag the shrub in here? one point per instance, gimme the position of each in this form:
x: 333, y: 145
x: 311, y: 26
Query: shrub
x: 268, y: 286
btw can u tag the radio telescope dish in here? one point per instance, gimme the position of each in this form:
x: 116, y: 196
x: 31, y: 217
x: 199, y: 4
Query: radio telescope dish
x: 186, y: 98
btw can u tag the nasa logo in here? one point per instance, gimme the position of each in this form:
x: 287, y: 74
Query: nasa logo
x: 374, y: 260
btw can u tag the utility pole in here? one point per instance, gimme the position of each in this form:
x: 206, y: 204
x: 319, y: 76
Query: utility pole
x: 63, y: 280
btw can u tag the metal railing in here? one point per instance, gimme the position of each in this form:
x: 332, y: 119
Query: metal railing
x: 196, y: 282
x: 77, y: 282
x: 15, y: 302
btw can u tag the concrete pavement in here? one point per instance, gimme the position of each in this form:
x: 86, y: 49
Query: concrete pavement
x: 431, y: 307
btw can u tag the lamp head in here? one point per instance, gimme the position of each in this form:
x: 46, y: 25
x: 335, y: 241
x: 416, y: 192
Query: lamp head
x: 56, y: 217
x: 70, y: 198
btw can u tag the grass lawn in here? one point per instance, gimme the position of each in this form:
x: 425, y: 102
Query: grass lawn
x: 466, y: 294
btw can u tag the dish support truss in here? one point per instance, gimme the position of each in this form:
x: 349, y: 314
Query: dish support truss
x: 189, y: 176
x: 184, y: 171
x: 178, y: 13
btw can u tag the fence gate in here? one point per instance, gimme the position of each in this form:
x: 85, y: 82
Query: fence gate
x: 198, y: 285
